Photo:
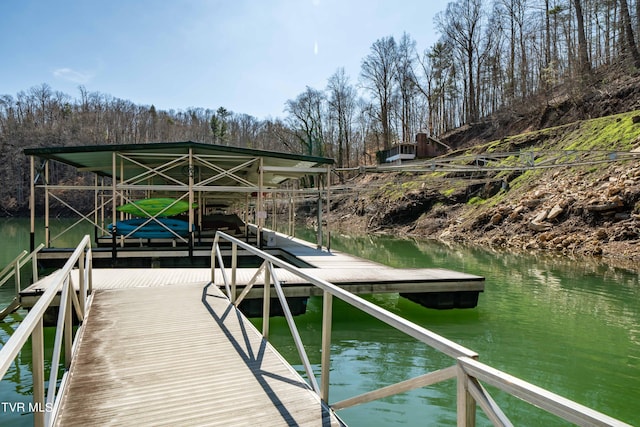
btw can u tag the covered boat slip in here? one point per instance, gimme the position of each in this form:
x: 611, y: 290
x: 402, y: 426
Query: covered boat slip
x: 208, y: 178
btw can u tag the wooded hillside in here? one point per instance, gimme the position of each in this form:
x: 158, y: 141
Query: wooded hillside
x: 499, y: 67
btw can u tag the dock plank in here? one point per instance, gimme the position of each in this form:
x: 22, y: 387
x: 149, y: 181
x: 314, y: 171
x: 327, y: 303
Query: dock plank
x: 180, y: 355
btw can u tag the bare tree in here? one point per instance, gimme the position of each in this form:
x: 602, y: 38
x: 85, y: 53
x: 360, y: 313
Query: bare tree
x: 583, y: 54
x: 630, y: 43
x: 378, y: 73
x: 305, y: 120
x: 405, y: 59
x: 461, y: 24
x: 342, y: 99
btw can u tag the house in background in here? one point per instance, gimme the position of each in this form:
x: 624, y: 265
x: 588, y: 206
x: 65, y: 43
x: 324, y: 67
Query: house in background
x: 424, y: 147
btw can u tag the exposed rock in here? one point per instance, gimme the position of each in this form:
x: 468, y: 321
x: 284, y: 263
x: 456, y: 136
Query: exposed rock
x: 532, y: 203
x: 496, y: 219
x: 601, y: 234
x: 603, y: 206
x: 563, y: 214
x: 555, y: 212
x: 545, y: 237
x: 541, y: 216
x: 540, y: 226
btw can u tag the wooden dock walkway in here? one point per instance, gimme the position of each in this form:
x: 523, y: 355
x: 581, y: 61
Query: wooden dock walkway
x: 357, y: 275
x: 358, y: 281
x: 181, y: 355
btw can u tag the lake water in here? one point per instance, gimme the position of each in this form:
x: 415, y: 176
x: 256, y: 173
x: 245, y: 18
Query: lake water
x: 571, y: 326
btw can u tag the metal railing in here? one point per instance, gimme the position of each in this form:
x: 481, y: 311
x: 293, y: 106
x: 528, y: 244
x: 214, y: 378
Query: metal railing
x: 45, y: 407
x: 466, y: 368
x: 14, y: 269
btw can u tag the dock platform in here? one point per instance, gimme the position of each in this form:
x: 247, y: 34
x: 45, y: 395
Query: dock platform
x: 181, y: 355
x: 431, y: 287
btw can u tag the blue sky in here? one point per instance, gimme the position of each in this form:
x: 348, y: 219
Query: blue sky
x: 249, y: 56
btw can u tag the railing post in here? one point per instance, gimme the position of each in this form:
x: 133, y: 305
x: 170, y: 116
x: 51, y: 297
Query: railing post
x: 17, y: 277
x: 68, y: 327
x: 214, y: 249
x: 90, y: 268
x: 466, y: 405
x: 82, y: 285
x: 266, y: 302
x: 327, y: 313
x: 37, y: 357
x: 34, y: 267
x: 234, y: 266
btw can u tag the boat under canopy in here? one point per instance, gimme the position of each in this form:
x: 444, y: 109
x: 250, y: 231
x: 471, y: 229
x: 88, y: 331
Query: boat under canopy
x: 152, y: 228
x: 156, y: 206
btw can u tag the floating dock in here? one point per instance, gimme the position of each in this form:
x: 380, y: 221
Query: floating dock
x: 432, y: 287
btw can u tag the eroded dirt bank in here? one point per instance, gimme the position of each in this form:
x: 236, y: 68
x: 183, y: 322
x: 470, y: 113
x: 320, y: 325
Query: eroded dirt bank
x: 590, y: 212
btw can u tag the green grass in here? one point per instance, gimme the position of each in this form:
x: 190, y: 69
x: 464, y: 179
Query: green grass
x: 476, y: 200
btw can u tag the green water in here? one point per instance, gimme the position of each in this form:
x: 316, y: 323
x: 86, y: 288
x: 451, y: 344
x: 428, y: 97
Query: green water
x: 570, y: 326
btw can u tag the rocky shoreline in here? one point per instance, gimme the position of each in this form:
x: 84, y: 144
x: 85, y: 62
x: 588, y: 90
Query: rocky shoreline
x: 579, y: 212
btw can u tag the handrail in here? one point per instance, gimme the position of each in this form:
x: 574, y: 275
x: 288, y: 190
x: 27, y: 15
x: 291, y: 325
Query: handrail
x: 13, y: 269
x: 32, y: 327
x: 467, y: 369
x: 10, y: 268
x: 18, y: 262
x: 544, y: 399
x: 446, y: 346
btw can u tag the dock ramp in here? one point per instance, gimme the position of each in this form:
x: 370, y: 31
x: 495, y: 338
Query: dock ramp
x: 181, y: 355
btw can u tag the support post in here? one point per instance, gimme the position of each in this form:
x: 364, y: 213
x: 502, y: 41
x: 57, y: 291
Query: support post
x: 17, y: 278
x: 466, y: 405
x: 114, y: 183
x: 260, y: 212
x: 47, y: 233
x: 121, y: 190
x: 246, y: 218
x: 234, y: 267
x: 37, y: 356
x: 32, y: 205
x: 266, y: 303
x: 291, y: 216
x: 328, y: 191
x: 68, y: 329
x: 214, y: 250
x: 102, y: 203
x: 319, y: 217
x: 191, y: 171
x: 327, y: 313
x: 95, y: 210
x: 82, y: 285
x: 274, y: 207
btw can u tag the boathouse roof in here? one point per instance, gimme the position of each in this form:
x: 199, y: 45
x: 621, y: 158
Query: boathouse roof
x: 277, y: 166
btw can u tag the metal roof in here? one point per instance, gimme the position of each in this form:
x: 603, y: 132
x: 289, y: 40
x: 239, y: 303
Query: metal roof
x: 210, y: 160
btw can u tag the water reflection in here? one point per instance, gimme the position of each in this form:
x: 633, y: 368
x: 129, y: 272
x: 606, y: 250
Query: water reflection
x: 568, y: 325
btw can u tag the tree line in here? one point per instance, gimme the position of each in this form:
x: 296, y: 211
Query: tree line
x: 491, y: 56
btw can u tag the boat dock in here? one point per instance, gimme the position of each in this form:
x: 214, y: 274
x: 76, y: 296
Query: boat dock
x: 207, y: 366
x: 168, y: 343
x: 432, y: 287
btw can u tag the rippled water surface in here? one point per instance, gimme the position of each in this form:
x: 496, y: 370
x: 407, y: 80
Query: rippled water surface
x: 570, y: 326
